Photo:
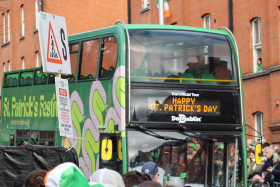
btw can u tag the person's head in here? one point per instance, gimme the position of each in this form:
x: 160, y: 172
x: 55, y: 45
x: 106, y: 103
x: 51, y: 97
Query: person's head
x: 151, y: 168
x: 220, y: 149
x: 268, y: 152
x: 133, y: 178
x: 259, y: 61
x: 147, y: 176
x: 249, y: 141
x: 193, y: 149
x: 219, y: 160
x: 278, y: 152
x: 251, y: 154
x: 275, y: 158
x: 35, y: 178
x: 65, y: 175
x: 253, y: 146
x: 149, y: 184
x: 200, y: 59
x: 198, y: 146
x: 107, y: 177
x: 265, y: 144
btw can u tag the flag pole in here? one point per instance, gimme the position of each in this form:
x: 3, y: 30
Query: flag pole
x: 160, y: 12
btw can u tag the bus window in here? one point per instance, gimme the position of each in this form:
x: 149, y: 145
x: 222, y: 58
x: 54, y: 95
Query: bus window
x: 23, y: 137
x: 34, y: 137
x: 109, y: 57
x: 74, y: 49
x: 181, y: 57
x: 47, y: 138
x: 12, y: 140
x: 89, y: 61
x: 218, y: 163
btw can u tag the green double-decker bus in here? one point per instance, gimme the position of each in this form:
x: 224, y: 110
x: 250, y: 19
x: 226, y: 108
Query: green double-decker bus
x: 138, y: 93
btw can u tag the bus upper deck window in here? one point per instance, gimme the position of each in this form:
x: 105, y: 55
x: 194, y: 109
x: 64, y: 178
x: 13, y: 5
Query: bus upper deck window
x: 89, y: 60
x: 74, y: 49
x: 109, y: 56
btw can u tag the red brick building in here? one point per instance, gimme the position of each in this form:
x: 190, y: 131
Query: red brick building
x: 19, y: 41
x: 256, y: 26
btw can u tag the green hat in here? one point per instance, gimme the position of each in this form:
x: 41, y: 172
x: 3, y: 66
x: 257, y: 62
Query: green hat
x: 221, y: 146
x: 193, y: 146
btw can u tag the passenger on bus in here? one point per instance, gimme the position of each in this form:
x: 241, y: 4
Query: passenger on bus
x: 195, y: 62
x: 219, y: 170
x: 221, y: 71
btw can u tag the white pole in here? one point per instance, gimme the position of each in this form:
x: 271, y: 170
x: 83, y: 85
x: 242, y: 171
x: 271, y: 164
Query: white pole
x: 160, y: 12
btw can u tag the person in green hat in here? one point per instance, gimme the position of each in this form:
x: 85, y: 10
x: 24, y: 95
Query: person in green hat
x: 193, y: 149
x: 220, y: 149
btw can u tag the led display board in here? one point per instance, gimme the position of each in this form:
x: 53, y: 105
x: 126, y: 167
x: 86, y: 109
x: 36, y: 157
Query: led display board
x: 185, y: 106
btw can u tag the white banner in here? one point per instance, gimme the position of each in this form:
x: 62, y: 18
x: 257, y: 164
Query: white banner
x: 63, y: 107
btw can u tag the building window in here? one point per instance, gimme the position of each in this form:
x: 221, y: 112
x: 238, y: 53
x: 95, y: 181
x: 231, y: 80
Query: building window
x: 9, y: 66
x: 23, y: 62
x: 9, y: 26
x: 145, y: 4
x: 4, y: 28
x: 258, y: 117
x: 207, y: 21
x: 257, y: 44
x: 22, y: 21
x: 4, y: 67
x: 37, y: 59
x: 36, y: 12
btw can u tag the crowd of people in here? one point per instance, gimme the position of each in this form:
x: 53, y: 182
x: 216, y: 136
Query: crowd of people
x: 268, y: 172
x: 69, y: 175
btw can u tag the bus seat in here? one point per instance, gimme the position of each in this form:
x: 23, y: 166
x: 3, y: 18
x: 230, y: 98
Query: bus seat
x: 15, y: 82
x: 44, y: 79
x: 28, y: 80
x: 38, y: 79
x: 188, y: 76
x: 172, y: 80
x: 138, y: 74
x: 208, y: 76
x: 10, y: 82
x: 51, y: 78
x: 108, y: 73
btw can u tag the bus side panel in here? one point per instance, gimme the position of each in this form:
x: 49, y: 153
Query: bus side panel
x: 96, y: 107
x: 28, y: 108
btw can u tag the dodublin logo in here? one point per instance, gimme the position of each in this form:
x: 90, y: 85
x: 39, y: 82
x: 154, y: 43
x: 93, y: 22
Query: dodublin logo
x: 182, y: 118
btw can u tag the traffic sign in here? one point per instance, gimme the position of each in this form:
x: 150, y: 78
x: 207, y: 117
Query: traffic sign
x: 54, y: 44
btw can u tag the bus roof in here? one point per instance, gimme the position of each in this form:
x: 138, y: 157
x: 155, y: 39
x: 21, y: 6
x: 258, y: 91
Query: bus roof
x: 149, y: 26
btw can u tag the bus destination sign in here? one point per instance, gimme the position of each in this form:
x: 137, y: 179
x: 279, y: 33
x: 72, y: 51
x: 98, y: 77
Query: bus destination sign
x: 180, y: 106
x: 185, y: 103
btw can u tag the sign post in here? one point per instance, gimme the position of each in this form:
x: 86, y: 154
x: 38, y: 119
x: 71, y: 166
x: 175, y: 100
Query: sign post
x: 56, y: 59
